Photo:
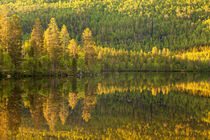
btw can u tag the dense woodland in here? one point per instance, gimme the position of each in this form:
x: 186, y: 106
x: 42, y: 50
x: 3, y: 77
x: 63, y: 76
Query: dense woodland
x: 75, y: 36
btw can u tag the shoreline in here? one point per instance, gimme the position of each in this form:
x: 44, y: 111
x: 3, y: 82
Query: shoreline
x: 22, y: 75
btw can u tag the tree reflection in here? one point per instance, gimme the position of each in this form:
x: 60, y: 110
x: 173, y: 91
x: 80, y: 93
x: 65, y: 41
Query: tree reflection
x: 14, y: 108
x: 36, y: 109
x: 4, y: 120
x: 89, y: 100
x: 143, y: 103
x: 10, y: 111
x: 64, y: 110
x: 51, y: 106
x: 73, y: 99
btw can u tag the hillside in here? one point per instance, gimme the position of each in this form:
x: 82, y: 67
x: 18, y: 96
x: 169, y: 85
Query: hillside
x: 76, y: 36
x: 128, y: 24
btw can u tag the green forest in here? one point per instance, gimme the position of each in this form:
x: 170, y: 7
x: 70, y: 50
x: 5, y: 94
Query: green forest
x: 68, y: 37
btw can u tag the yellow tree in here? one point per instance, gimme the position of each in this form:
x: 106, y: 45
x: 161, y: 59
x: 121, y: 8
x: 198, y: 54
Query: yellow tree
x: 64, y: 110
x: 51, y: 110
x: 73, y: 99
x: 36, y: 40
x: 89, y: 47
x: 15, y: 42
x: 87, y: 38
x: 11, y: 36
x: 5, y: 28
x: 73, y: 51
x: 51, y: 43
x: 64, y: 38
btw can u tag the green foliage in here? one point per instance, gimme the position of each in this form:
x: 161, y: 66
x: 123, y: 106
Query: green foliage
x: 7, y: 63
x: 134, y: 35
x: 129, y: 24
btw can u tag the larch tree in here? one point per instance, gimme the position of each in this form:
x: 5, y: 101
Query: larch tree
x: 16, y: 41
x: 89, y: 47
x: 36, y: 40
x: 51, y: 43
x: 73, y: 51
x: 11, y: 36
x: 5, y: 32
x: 87, y: 38
x: 5, y: 28
x: 64, y: 38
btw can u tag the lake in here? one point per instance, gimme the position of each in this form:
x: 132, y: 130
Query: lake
x: 108, y: 106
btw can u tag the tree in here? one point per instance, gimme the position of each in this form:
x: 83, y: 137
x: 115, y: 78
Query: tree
x: 87, y: 38
x: 64, y: 38
x: 89, y: 47
x: 5, y: 28
x: 11, y: 36
x: 51, y: 43
x: 36, y: 40
x: 73, y: 51
x: 16, y: 41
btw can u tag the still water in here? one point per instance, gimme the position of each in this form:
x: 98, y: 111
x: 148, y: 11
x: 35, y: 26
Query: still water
x: 109, y: 106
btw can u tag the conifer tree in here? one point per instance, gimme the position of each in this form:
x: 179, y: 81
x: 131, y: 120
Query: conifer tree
x: 14, y: 48
x: 89, y: 47
x: 11, y: 36
x: 87, y: 38
x: 5, y: 29
x: 51, y: 43
x: 36, y: 40
x: 73, y: 50
x: 64, y: 37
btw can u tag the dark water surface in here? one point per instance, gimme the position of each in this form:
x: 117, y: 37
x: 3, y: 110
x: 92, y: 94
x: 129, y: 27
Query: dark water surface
x: 109, y: 106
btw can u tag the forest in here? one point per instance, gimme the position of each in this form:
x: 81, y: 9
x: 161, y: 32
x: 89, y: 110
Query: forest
x: 68, y: 37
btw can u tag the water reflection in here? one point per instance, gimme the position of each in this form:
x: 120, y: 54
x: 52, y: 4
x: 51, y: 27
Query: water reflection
x: 115, y: 106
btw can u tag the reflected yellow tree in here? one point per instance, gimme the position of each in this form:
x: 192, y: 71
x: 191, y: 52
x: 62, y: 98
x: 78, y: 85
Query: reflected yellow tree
x: 64, y: 110
x: 73, y: 99
x: 10, y: 112
x: 89, y: 100
x: 36, y: 110
x: 51, y: 106
x: 4, y: 120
